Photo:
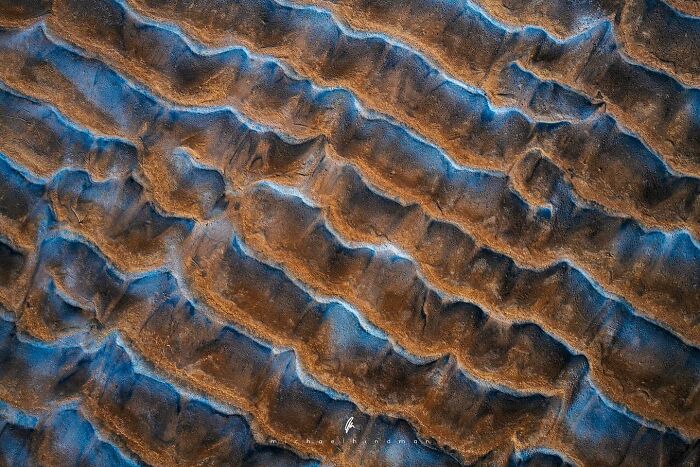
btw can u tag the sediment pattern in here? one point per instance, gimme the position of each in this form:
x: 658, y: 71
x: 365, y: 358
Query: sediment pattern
x: 349, y: 233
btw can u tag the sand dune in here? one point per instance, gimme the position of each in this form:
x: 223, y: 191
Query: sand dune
x: 349, y: 233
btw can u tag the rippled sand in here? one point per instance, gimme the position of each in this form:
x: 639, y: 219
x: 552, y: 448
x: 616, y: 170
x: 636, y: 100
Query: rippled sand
x: 350, y: 232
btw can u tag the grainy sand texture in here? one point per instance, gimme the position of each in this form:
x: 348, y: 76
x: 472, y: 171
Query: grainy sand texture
x: 350, y: 232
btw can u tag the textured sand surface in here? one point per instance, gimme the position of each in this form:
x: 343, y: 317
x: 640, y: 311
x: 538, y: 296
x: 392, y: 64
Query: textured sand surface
x: 350, y: 232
